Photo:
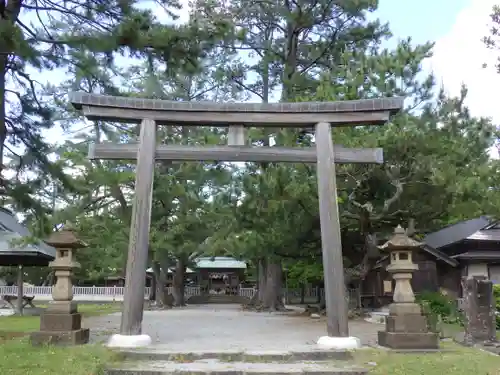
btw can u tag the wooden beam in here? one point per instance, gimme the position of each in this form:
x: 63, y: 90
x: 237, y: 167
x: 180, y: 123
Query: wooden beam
x: 285, y: 120
x: 109, y: 151
x: 336, y: 305
x: 137, y: 260
x: 165, y: 112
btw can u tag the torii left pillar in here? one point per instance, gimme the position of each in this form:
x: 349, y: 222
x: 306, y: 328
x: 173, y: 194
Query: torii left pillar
x: 135, y: 280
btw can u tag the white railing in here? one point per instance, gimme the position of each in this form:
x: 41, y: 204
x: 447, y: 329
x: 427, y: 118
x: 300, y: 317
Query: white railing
x: 80, y: 293
x: 247, y: 292
x: 188, y: 290
x: 309, y: 293
x: 115, y: 293
x: 91, y: 293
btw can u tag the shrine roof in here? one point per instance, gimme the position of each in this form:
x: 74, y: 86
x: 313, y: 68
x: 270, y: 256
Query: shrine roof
x: 169, y: 271
x: 489, y: 234
x: 456, y: 232
x: 220, y: 262
x: 479, y: 255
x: 32, y: 254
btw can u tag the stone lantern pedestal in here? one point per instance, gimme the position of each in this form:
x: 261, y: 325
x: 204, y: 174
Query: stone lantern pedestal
x: 406, y: 327
x: 61, y: 323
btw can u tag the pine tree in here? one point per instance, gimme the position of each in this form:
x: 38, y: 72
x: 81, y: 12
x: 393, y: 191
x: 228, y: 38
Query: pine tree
x: 46, y: 35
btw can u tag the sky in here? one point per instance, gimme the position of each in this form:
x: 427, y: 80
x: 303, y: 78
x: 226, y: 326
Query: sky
x: 457, y: 27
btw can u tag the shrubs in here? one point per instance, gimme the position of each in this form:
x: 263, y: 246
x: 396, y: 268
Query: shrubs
x: 496, y: 294
x: 440, y: 307
x: 438, y: 303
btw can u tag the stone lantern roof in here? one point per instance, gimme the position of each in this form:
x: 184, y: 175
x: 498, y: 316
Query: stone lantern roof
x: 65, y: 238
x: 400, y: 241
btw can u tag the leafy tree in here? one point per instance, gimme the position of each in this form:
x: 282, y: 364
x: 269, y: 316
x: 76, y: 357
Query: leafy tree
x: 492, y: 40
x: 292, y: 46
x: 98, y: 195
x: 46, y: 35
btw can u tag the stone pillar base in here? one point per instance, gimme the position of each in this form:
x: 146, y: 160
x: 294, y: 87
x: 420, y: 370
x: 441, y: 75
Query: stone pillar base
x: 77, y: 337
x: 60, y: 322
x: 400, y: 309
x: 406, y: 328
x: 411, y: 323
x: 129, y: 341
x: 62, y: 307
x: 338, y: 343
x: 408, y: 341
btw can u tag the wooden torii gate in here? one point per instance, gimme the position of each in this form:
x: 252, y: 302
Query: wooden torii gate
x: 151, y: 112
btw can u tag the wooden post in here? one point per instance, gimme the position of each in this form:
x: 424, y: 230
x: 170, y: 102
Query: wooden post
x: 20, y: 291
x: 336, y: 305
x: 135, y: 281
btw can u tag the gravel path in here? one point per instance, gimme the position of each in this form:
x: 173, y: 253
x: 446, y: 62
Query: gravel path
x: 227, y: 327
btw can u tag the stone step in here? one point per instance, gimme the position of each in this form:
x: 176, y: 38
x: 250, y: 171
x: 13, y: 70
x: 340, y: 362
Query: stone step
x: 211, y: 366
x: 160, y: 354
x: 217, y: 299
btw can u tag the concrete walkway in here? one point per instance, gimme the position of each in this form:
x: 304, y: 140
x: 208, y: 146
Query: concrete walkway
x: 228, y: 327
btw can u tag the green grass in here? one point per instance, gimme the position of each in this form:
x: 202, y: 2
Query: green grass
x: 16, y: 323
x: 18, y: 357
x: 453, y: 360
x: 452, y: 330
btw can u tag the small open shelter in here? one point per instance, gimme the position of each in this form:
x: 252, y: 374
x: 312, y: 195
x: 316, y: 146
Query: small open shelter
x: 22, y: 255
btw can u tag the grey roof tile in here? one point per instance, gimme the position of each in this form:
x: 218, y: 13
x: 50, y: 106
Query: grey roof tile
x: 456, y: 232
x: 11, y: 229
x: 79, y: 99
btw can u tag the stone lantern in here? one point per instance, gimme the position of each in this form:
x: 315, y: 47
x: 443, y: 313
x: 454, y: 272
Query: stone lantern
x: 61, y: 322
x: 406, y: 326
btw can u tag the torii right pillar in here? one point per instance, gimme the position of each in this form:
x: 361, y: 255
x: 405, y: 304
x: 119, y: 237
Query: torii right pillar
x: 405, y: 327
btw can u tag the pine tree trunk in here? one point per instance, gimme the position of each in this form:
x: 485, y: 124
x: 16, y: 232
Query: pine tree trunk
x: 178, y: 283
x: 269, y: 295
x: 273, y: 294
x: 262, y: 280
x: 255, y: 301
x: 160, y: 284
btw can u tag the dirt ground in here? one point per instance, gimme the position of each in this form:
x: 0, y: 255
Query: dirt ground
x: 228, y: 327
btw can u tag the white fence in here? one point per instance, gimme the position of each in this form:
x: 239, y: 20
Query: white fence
x: 115, y: 293
x: 87, y: 293
x: 188, y: 290
x: 80, y: 293
x: 247, y: 292
x: 295, y: 294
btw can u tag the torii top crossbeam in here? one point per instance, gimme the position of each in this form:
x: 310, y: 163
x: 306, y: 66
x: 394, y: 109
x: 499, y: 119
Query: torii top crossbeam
x: 167, y: 112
